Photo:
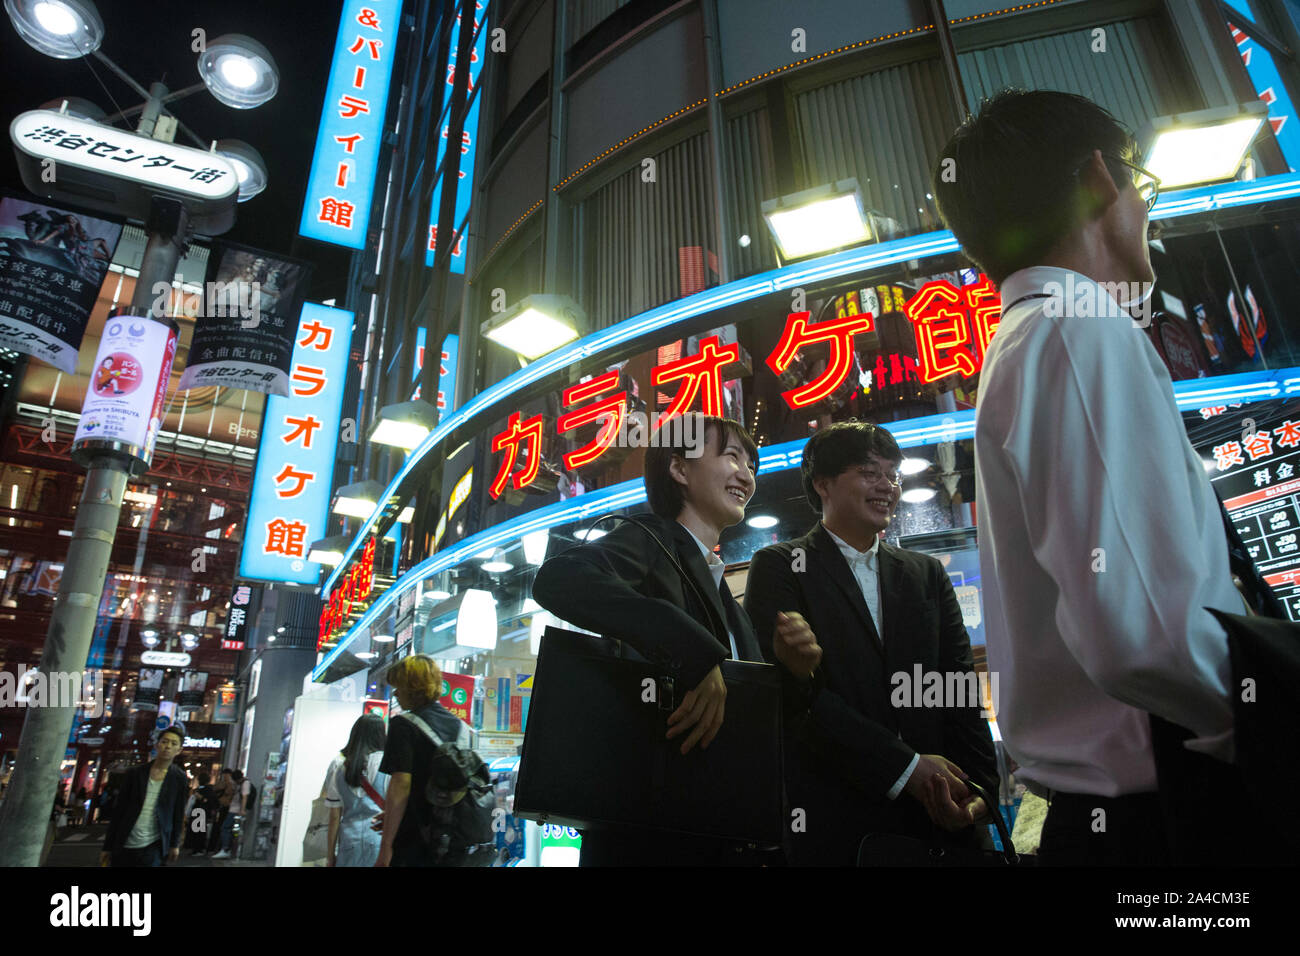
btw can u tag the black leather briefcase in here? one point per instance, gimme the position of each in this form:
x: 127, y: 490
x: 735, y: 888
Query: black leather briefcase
x: 595, y: 751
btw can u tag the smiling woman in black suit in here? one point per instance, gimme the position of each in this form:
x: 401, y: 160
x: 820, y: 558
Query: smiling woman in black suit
x: 625, y: 585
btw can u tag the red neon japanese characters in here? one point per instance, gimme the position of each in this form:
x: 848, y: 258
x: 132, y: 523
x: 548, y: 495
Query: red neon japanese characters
x: 798, y: 333
x: 353, y: 588
x: 942, y: 333
x: 612, y: 408
x: 702, y: 373
x: 514, y: 435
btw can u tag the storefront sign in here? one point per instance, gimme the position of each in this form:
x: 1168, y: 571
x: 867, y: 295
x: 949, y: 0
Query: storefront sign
x: 243, y: 602
x: 375, y: 706
x: 289, y: 503
x: 108, y: 151
x: 203, y: 743
x: 165, y: 658
x: 226, y: 710
x: 51, y: 269
x: 350, y: 136
x: 457, y: 694
x: 468, y: 145
x: 244, y: 334
x: 352, y: 590
x: 1258, y: 478
x: 952, y: 327
x: 124, y: 402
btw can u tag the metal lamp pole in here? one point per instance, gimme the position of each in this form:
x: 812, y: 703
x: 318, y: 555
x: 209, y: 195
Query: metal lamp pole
x: 25, y: 815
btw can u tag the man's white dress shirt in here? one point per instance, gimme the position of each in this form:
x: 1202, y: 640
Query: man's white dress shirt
x: 865, y: 566
x: 1101, y: 543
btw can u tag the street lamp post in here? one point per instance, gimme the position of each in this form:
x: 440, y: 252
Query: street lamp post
x: 240, y: 73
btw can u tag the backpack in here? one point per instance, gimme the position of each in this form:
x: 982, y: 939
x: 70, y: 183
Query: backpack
x: 248, y: 801
x: 460, y: 794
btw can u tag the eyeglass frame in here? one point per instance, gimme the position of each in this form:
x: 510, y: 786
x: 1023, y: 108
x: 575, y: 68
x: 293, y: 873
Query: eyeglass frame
x: 1154, y: 179
x: 896, y: 482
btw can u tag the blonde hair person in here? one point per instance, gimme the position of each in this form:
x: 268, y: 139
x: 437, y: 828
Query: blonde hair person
x: 408, y: 759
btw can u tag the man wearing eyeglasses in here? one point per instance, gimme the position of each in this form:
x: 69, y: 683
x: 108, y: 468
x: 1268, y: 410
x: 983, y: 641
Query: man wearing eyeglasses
x: 854, y: 622
x: 1101, y: 540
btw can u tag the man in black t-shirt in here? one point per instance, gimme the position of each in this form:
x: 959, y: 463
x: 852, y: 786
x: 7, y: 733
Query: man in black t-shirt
x: 408, y: 757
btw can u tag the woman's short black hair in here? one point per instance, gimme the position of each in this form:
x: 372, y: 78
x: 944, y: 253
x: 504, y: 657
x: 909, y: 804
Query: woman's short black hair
x: 841, y: 446
x: 665, y: 494
x: 1006, y: 183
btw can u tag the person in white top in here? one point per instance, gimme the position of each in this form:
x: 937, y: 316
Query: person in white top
x: 1101, y: 540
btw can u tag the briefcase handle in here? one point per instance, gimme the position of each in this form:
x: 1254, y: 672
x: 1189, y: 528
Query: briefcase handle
x: 1008, y: 848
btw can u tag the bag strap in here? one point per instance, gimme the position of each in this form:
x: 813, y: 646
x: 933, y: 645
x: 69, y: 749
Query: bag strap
x: 422, y: 726
x: 371, y: 792
x: 718, y: 635
x: 1008, y: 848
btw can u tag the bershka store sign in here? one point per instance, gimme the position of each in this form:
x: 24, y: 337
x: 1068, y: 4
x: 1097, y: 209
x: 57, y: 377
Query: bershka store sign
x: 353, y: 589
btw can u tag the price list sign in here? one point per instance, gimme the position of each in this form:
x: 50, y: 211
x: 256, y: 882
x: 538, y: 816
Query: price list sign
x: 1258, y: 477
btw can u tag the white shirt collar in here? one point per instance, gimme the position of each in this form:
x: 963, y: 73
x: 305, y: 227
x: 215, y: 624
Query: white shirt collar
x: 850, y: 553
x: 709, y: 557
x: 1050, y: 280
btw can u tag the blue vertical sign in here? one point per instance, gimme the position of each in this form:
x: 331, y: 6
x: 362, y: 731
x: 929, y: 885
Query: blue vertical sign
x: 1268, y: 84
x: 342, y: 180
x: 468, y: 144
x: 289, y: 503
x: 446, y: 403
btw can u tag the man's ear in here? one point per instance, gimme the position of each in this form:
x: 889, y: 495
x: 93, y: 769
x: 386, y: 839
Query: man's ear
x: 819, y: 486
x: 1099, y: 186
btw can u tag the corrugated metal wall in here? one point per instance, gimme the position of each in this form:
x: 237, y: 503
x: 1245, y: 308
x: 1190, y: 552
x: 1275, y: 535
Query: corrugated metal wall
x: 631, y: 233
x: 885, y: 129
x: 750, y: 181
x: 1139, y: 76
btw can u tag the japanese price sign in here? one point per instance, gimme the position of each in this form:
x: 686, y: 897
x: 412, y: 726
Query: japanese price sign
x: 342, y: 180
x: 289, y: 502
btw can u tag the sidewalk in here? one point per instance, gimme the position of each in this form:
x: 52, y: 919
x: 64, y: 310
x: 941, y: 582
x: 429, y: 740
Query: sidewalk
x: 80, y: 846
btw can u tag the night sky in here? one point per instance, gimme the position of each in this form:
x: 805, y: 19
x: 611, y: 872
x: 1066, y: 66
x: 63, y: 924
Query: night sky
x: 151, y: 40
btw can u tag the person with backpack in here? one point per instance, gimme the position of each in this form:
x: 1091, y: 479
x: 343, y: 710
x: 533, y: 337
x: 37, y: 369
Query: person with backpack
x: 438, y: 807
x: 240, y: 804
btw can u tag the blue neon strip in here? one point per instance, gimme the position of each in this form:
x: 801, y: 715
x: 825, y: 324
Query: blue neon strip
x: 915, y: 432
x: 836, y: 264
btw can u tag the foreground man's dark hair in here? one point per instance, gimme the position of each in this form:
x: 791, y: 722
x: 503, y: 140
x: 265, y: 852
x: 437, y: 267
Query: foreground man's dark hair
x: 841, y: 446
x: 1006, y: 183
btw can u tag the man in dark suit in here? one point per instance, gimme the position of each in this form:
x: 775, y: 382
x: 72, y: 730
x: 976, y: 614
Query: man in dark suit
x: 148, y: 820
x: 860, y: 757
x: 626, y: 585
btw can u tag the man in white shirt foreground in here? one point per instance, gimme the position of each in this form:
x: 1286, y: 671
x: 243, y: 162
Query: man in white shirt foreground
x: 857, y: 625
x: 1101, y: 540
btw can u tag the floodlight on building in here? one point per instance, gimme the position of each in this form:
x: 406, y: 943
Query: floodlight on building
x: 328, y: 551
x: 535, y: 543
x: 405, y: 424
x: 239, y: 71
x: 1205, y: 146
x: 818, y: 220
x: 63, y: 29
x: 536, y: 325
x: 357, y: 500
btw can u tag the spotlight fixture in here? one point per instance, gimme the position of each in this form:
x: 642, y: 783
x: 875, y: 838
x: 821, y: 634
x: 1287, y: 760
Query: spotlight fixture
x: 239, y: 71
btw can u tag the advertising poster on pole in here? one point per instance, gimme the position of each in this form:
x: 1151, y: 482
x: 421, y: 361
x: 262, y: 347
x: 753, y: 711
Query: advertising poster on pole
x: 52, y: 264
x: 148, y: 689
x: 128, y: 384
x: 243, y: 336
